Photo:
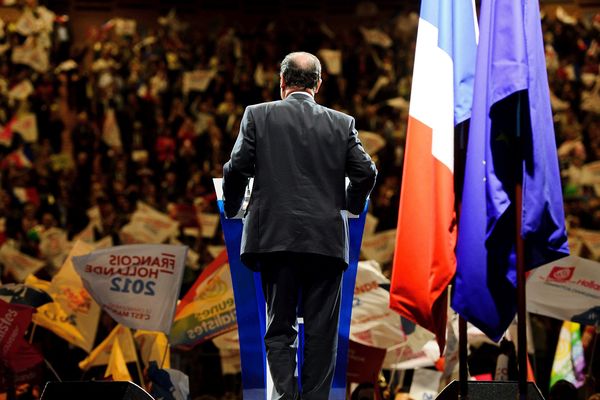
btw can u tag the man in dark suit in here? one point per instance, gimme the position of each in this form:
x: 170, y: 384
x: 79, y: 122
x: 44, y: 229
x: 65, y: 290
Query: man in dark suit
x: 296, y: 223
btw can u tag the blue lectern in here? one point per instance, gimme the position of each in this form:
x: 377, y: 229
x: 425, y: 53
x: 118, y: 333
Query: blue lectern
x: 251, y: 310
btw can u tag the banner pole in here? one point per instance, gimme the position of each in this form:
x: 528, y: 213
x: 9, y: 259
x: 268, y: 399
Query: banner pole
x: 137, y: 360
x: 140, y: 373
x: 32, y: 333
x: 51, y: 368
x: 164, y: 357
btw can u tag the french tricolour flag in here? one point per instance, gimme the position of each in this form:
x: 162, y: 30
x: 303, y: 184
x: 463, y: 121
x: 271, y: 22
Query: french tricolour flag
x: 441, y: 98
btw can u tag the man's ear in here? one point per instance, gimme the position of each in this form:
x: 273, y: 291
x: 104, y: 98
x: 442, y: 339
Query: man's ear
x: 282, y: 84
x: 282, y: 87
x: 318, y: 86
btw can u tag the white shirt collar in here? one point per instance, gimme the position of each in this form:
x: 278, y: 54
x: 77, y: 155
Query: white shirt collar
x: 301, y: 92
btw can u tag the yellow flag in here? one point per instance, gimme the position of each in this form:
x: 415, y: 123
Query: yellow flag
x: 53, y: 317
x: 569, y: 363
x: 74, y: 314
x: 117, y: 367
x: 153, y: 346
x: 101, y: 354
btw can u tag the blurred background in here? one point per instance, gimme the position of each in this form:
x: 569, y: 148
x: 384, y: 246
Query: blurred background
x: 106, y: 104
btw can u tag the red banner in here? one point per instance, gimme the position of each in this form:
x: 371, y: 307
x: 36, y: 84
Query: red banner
x: 364, y: 363
x: 15, y: 352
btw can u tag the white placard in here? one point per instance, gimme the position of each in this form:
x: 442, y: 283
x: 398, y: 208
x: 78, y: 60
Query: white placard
x: 425, y: 384
x: 380, y: 246
x: 137, y: 285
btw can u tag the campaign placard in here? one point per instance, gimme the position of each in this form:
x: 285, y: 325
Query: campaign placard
x: 379, y: 246
x: 567, y: 289
x: 138, y: 285
x: 18, y: 264
x: 208, y: 309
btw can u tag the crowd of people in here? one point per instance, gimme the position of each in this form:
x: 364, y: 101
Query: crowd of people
x: 133, y: 113
x: 572, y: 61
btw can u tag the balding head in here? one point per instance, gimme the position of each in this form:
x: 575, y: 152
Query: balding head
x: 301, y: 70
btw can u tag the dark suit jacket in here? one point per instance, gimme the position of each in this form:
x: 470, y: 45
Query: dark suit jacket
x: 299, y: 154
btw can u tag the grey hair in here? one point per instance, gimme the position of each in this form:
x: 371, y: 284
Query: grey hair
x: 301, y: 69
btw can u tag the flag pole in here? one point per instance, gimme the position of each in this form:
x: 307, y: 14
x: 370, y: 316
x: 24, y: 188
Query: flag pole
x: 463, y: 370
x: 520, y: 253
x: 521, y: 298
x: 460, y: 151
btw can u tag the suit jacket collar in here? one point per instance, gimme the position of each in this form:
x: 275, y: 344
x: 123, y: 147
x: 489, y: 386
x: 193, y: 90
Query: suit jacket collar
x: 300, y: 97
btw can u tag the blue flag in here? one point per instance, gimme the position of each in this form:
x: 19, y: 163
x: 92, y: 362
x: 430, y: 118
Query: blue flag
x: 510, y: 101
